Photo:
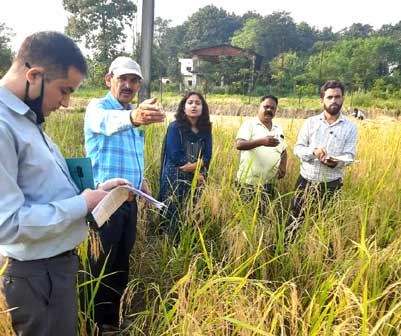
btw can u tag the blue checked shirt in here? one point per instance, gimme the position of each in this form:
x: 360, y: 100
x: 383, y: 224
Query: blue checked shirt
x: 339, y: 138
x: 114, y: 145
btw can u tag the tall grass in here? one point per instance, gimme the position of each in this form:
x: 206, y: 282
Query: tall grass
x: 292, y: 106
x: 229, y: 276
x: 5, y: 321
x: 230, y: 273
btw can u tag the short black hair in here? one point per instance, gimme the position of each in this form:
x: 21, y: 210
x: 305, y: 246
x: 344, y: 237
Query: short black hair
x: 54, y: 51
x: 332, y: 84
x: 269, y: 97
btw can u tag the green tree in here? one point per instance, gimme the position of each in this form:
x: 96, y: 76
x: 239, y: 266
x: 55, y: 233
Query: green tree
x: 250, y: 36
x: 269, y: 36
x: 167, y: 48
x: 307, y: 36
x: 209, y: 75
x: 394, y: 79
x: 96, y: 72
x: 327, y: 34
x: 236, y: 72
x: 379, y: 88
x: 304, y: 90
x: 209, y: 26
x: 285, y: 70
x: 160, y: 58
x: 357, y: 30
x: 279, y: 34
x: 364, y: 60
x: 100, y: 24
x: 391, y: 30
x: 6, y: 53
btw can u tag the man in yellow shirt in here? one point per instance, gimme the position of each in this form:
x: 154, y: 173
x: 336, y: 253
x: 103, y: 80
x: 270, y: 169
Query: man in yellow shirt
x: 263, y: 151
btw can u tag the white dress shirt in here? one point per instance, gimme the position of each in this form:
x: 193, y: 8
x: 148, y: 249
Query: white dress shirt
x: 339, y: 138
x: 41, y: 213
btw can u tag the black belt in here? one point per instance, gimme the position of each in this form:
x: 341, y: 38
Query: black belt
x: 66, y: 254
x: 63, y: 254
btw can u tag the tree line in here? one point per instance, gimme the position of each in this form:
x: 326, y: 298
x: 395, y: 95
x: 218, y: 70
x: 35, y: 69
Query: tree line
x: 296, y: 57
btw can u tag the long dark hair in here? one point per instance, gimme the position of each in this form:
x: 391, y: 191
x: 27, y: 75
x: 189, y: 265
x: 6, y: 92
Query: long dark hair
x: 203, y: 124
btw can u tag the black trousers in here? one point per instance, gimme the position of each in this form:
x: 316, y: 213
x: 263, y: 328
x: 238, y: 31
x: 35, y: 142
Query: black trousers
x: 43, y: 294
x: 307, y: 193
x: 117, y: 238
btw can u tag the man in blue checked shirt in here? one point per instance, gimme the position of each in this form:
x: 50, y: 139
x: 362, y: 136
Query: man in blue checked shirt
x: 116, y: 147
x: 326, y: 144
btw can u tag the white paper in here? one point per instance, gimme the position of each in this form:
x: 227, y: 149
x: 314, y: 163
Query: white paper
x: 148, y: 198
x: 113, y: 200
x: 342, y: 158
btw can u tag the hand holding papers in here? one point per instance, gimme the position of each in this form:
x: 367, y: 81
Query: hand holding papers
x: 343, y: 158
x: 339, y: 158
x: 115, y: 198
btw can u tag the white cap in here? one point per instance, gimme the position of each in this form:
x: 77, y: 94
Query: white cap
x: 124, y: 65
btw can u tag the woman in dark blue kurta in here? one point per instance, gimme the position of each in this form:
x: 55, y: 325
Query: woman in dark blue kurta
x: 188, y: 139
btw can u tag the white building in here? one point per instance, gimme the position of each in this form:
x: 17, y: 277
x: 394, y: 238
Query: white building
x: 187, y: 68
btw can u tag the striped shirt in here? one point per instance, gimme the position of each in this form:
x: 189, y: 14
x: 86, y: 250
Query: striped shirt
x: 114, y: 145
x: 339, y: 138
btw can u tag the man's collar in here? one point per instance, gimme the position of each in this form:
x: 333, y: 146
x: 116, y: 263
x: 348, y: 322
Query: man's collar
x: 15, y: 104
x: 259, y: 122
x: 340, y: 118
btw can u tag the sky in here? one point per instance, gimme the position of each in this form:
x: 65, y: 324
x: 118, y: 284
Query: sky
x: 25, y: 17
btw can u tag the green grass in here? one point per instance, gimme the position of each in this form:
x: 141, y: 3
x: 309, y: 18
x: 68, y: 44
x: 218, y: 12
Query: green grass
x: 230, y: 274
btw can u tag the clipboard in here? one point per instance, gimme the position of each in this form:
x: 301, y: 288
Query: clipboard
x: 81, y: 172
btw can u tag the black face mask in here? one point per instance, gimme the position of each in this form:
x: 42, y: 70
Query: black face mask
x: 35, y: 104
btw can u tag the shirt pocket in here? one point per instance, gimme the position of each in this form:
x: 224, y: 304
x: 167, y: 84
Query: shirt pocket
x: 19, y: 290
x: 337, y: 144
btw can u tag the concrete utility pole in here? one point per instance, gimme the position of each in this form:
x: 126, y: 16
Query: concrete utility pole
x: 148, y: 13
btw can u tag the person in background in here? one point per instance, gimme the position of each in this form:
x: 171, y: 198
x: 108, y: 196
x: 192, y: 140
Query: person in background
x: 263, y: 152
x: 115, y: 144
x: 187, y: 145
x: 358, y: 114
x: 326, y: 144
x: 42, y: 218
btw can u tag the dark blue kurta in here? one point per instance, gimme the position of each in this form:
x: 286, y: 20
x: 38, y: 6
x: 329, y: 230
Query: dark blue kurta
x: 180, y: 147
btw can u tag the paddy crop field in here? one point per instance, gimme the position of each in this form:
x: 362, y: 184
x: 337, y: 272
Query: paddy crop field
x: 231, y: 274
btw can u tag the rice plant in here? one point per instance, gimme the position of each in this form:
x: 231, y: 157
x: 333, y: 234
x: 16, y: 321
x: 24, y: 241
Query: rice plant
x: 230, y: 274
